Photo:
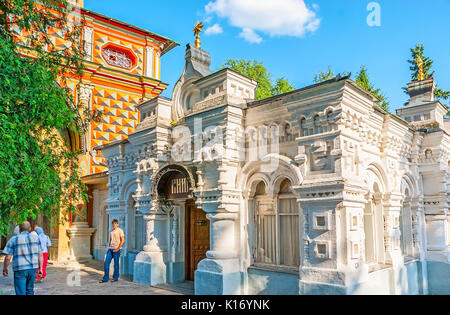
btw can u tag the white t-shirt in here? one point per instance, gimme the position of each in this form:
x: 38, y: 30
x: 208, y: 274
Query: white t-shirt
x: 116, y: 235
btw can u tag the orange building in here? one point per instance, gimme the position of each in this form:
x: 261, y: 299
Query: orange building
x: 122, y: 69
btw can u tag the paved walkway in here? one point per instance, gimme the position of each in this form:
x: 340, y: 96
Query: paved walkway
x: 83, y: 280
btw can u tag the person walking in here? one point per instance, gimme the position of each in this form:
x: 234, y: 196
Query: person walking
x: 27, y: 259
x: 45, y: 243
x: 116, y: 241
x: 33, y: 230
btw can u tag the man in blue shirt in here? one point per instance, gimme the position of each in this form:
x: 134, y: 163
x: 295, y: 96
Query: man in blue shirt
x: 26, y: 251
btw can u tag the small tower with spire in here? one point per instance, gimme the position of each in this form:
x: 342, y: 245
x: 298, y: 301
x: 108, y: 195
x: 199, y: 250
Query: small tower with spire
x: 423, y: 109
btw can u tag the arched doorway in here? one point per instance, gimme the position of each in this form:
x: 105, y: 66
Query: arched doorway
x: 186, y: 225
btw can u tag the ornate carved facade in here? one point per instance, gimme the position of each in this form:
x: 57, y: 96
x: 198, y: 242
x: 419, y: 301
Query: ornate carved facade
x: 312, y: 192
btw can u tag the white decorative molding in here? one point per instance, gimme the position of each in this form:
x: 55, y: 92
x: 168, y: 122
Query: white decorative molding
x: 88, y: 37
x: 149, y: 55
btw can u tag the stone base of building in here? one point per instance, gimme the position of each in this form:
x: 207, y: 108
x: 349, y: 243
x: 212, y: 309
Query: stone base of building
x: 218, y: 277
x: 175, y: 272
x: 127, y: 263
x: 266, y: 282
x: 438, y: 277
x: 408, y: 279
x: 149, y: 269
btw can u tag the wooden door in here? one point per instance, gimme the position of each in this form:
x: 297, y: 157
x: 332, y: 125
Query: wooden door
x: 197, y: 238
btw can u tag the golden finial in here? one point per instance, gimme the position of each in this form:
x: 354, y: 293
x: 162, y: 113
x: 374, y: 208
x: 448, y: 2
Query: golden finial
x: 421, y: 75
x: 197, y: 30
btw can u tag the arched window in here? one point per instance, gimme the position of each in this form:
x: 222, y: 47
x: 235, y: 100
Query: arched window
x: 317, y: 128
x: 330, y: 120
x: 277, y: 240
x: 303, y: 131
x: 266, y: 243
x: 330, y: 116
x: 408, y: 224
x: 289, y: 233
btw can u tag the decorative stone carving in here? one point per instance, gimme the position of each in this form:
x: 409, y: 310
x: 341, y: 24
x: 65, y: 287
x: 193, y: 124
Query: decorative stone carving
x: 211, y: 103
x: 85, y: 93
x: 320, y: 156
x: 88, y: 37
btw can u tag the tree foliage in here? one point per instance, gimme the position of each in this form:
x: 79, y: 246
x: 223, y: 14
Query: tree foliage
x: 37, y: 173
x: 282, y: 86
x: 258, y: 72
x: 362, y: 79
x: 324, y: 76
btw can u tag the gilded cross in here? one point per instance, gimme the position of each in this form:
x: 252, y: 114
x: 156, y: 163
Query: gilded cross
x: 197, y: 30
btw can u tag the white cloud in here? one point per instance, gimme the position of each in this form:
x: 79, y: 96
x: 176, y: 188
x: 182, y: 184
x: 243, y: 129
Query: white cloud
x: 249, y: 35
x: 214, y: 30
x: 272, y: 17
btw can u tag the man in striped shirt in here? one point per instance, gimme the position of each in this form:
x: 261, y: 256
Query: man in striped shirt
x: 26, y: 251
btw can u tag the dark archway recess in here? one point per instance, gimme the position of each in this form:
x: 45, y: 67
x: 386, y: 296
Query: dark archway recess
x: 174, y: 182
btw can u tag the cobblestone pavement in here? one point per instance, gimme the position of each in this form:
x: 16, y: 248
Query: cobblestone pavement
x: 62, y: 280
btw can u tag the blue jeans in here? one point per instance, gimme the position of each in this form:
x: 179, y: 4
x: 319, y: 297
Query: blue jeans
x: 24, y: 281
x: 110, y: 255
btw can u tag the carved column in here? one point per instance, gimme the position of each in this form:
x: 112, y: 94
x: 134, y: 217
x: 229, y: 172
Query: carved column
x: 85, y: 101
x: 88, y: 34
x: 392, y: 233
x: 222, y: 235
x: 418, y: 227
x: 219, y: 273
x: 156, y: 230
x: 150, y: 264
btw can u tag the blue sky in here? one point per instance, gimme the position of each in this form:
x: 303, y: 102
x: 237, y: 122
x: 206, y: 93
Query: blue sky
x: 342, y: 39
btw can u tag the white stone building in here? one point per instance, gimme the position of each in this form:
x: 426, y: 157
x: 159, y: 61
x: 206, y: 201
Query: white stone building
x: 317, y: 191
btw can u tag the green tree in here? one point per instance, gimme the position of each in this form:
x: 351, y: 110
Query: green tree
x: 362, y: 79
x: 324, y: 76
x: 37, y: 173
x: 258, y: 72
x: 282, y: 86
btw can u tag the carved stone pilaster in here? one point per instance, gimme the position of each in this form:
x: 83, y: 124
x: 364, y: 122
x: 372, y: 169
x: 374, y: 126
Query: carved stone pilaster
x: 85, y: 94
x: 392, y: 232
x: 222, y: 235
x: 88, y: 37
x: 149, y: 55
